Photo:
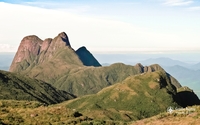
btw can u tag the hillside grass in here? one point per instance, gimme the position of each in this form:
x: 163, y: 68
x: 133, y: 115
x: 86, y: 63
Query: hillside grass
x: 135, y: 98
x: 35, y: 113
x: 175, y: 118
x: 17, y: 87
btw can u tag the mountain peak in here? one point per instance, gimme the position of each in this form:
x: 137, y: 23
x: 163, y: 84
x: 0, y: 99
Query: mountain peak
x: 64, y: 38
x: 33, y: 51
x: 63, y: 35
x: 83, y: 48
x: 86, y: 57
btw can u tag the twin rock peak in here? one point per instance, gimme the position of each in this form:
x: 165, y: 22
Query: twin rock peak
x: 33, y: 51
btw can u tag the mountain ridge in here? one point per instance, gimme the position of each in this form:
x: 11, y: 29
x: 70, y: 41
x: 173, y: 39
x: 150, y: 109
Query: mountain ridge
x: 56, y: 62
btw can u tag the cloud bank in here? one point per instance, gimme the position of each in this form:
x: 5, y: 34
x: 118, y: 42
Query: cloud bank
x: 7, y: 48
x: 97, y: 34
x: 178, y: 2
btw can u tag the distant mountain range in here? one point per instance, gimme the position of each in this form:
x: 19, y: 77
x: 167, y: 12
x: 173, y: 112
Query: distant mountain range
x: 164, y: 62
x: 167, y: 62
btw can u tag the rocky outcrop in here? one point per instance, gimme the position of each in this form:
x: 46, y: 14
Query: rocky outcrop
x: 156, y: 67
x: 27, y: 52
x: 33, y: 51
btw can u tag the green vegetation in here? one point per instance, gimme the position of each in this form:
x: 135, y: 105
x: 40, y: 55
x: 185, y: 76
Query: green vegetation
x: 135, y: 98
x: 17, y: 87
x: 88, y: 80
x: 28, y: 112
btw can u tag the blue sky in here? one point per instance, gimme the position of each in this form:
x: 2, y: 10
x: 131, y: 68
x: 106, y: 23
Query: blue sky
x: 105, y: 26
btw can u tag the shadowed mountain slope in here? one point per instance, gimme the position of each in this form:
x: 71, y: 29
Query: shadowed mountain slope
x: 86, y: 57
x: 16, y: 87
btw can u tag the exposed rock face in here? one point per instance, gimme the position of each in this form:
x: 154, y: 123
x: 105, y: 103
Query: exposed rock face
x: 29, y: 45
x: 156, y: 67
x: 64, y: 38
x: 45, y: 45
x: 150, y: 68
x: 34, y: 51
x: 27, y: 52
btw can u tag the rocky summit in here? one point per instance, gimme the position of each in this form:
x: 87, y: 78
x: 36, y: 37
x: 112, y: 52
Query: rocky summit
x: 33, y: 51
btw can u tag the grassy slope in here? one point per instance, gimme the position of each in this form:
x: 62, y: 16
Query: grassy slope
x: 137, y: 97
x: 26, y: 112
x: 165, y: 118
x: 87, y: 80
x: 34, y: 113
x: 18, y: 87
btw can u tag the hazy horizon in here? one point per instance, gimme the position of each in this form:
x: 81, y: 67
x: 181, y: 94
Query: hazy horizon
x: 134, y: 56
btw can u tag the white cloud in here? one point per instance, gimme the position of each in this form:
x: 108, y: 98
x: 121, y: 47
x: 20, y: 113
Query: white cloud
x: 178, y: 2
x: 196, y: 8
x: 56, y: 5
x: 7, y: 48
x: 18, y: 21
